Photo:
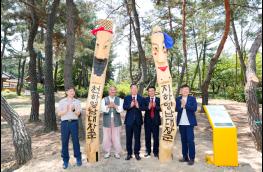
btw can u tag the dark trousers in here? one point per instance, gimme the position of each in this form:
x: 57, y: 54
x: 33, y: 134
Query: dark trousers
x: 187, y: 139
x: 151, y: 129
x: 67, y: 129
x: 136, y: 131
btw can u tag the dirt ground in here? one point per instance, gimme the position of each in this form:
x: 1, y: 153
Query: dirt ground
x: 46, y: 146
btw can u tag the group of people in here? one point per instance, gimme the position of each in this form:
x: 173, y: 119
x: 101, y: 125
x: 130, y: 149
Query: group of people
x: 134, y: 104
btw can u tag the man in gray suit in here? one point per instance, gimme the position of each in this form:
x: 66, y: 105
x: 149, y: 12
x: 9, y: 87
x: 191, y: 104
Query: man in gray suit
x: 111, y: 108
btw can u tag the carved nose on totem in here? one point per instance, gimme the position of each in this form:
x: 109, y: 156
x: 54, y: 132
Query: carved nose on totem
x: 161, y: 59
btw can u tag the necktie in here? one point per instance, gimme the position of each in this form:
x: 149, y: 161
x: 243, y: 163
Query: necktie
x: 152, y: 109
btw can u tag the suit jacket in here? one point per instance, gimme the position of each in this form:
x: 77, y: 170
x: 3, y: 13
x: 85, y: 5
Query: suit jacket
x: 133, y: 115
x: 191, y: 107
x: 147, y: 116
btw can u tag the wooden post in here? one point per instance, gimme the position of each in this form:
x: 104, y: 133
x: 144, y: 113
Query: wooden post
x: 159, y: 53
x: 97, y: 81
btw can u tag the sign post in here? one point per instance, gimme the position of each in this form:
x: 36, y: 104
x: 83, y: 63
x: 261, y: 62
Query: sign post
x: 97, y: 81
x: 164, y: 79
x: 225, y: 150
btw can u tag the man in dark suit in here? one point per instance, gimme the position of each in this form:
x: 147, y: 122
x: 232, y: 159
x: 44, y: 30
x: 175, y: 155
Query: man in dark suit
x: 134, y: 105
x: 152, y: 121
x: 186, y: 107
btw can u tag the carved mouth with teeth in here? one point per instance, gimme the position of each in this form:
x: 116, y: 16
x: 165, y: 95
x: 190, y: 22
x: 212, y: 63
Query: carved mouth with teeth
x: 99, y: 65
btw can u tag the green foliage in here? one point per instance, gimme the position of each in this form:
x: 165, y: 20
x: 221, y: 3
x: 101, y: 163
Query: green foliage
x: 10, y: 94
x: 27, y: 86
x: 40, y: 88
x: 82, y: 92
x: 235, y: 94
x: 123, y: 88
x: 259, y: 95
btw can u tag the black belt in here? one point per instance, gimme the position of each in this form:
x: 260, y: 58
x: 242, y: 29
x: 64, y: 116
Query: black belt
x: 70, y: 120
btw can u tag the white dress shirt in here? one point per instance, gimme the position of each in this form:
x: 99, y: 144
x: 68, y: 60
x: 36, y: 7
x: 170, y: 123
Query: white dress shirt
x: 62, y: 105
x: 152, y: 98
x: 134, y: 96
x: 105, y: 109
x: 184, y: 119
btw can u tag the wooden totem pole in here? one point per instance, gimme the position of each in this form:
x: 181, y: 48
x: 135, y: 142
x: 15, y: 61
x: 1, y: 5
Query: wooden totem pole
x: 160, y: 44
x: 100, y: 61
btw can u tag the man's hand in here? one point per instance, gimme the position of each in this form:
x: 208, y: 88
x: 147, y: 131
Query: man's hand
x: 150, y: 106
x: 112, y: 105
x: 72, y: 107
x: 69, y: 108
x: 61, y: 113
x: 183, y: 103
x: 115, y: 106
x: 136, y: 104
x: 132, y: 104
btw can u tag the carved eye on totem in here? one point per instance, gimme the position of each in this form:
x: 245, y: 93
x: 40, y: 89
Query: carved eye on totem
x: 155, y: 50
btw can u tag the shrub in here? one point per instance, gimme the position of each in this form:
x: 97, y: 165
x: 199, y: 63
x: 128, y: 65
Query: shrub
x: 27, y: 86
x: 235, y: 94
x: 123, y: 89
x: 82, y: 92
x: 40, y: 88
x: 259, y: 95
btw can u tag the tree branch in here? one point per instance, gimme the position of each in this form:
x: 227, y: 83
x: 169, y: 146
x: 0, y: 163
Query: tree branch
x: 246, y: 6
x: 116, y: 9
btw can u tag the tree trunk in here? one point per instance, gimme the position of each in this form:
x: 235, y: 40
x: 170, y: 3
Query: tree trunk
x: 80, y: 79
x: 34, y: 115
x: 21, y: 85
x: 55, y: 76
x: 21, y: 138
x: 81, y: 127
x: 184, y: 67
x: 142, y: 59
x: 19, y: 76
x: 215, y: 58
x: 21, y: 69
x: 130, y: 50
x: 3, y: 52
x: 254, y: 116
x: 171, y: 31
x: 50, y: 114
x: 86, y: 77
x: 40, y: 71
x: 198, y: 57
x: 82, y: 74
x: 204, y: 62
x: 236, y: 74
x: 240, y: 53
x: 70, y: 43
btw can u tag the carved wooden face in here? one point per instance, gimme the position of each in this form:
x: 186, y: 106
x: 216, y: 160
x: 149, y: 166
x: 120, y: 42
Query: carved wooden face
x: 102, y: 51
x: 159, y: 51
x: 103, y: 45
